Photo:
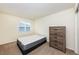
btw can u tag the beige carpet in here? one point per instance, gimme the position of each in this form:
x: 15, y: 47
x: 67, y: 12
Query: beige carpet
x: 12, y: 49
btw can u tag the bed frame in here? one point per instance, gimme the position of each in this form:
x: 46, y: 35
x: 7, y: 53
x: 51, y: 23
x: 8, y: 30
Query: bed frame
x: 24, y: 52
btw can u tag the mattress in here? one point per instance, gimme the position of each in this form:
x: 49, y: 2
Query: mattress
x: 29, y: 39
x: 28, y: 42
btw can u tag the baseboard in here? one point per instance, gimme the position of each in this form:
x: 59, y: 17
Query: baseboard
x: 8, y: 43
x: 77, y: 52
x: 70, y: 50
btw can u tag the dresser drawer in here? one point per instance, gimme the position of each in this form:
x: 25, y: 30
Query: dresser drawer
x: 53, y: 44
x: 53, y: 37
x: 58, y: 34
x: 56, y: 38
x: 60, y: 47
x: 57, y: 29
x: 53, y: 33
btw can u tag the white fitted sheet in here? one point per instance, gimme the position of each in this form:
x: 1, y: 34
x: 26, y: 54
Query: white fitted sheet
x: 30, y: 39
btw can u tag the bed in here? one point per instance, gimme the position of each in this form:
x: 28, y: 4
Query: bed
x: 29, y: 43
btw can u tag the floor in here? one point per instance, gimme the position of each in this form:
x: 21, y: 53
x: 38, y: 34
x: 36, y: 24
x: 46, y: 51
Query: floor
x: 12, y: 49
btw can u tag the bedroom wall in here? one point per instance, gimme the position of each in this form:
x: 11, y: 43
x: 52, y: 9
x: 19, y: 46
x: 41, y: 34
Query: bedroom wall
x: 78, y: 32
x: 63, y: 18
x: 8, y: 28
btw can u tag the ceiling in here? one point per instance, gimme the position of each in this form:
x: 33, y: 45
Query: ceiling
x: 33, y: 10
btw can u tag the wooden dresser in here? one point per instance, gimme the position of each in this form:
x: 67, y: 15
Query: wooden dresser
x: 57, y: 37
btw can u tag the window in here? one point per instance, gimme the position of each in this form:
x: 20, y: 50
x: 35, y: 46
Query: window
x: 24, y: 26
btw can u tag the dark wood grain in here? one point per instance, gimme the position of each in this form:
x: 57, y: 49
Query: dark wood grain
x: 57, y: 37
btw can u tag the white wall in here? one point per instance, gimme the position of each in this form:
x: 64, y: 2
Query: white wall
x: 78, y: 32
x: 8, y: 28
x: 63, y: 18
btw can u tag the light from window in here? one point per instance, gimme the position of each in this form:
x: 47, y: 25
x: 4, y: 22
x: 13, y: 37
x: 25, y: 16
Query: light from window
x: 24, y: 26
